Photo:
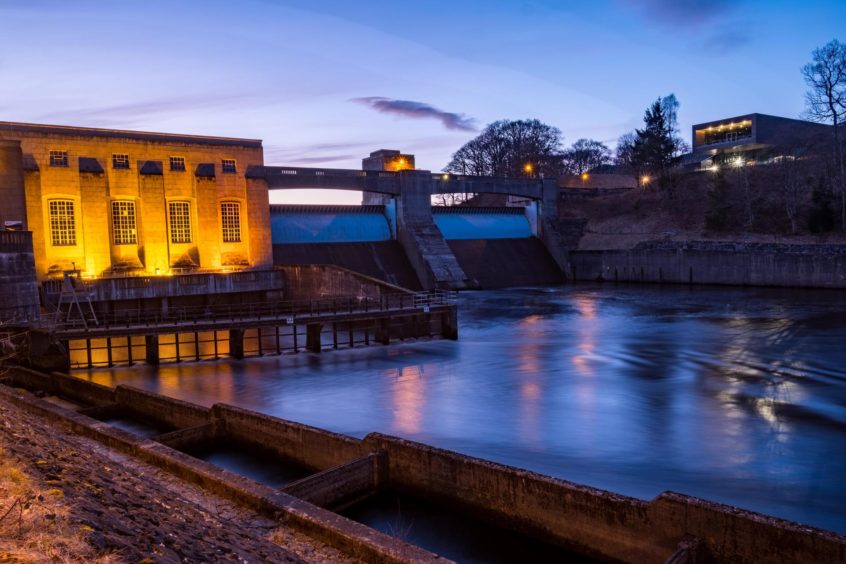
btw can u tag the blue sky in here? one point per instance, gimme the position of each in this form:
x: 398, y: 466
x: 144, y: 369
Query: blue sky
x: 325, y: 82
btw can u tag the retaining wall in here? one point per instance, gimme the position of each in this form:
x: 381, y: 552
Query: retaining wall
x: 800, y: 266
x: 595, y: 522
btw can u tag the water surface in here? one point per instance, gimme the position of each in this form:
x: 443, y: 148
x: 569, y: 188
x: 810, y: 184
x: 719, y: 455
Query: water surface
x: 734, y: 395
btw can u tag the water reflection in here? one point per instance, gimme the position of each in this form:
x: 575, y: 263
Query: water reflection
x: 735, y: 395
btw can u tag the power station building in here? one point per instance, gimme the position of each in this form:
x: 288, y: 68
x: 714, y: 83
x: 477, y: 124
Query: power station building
x: 116, y: 203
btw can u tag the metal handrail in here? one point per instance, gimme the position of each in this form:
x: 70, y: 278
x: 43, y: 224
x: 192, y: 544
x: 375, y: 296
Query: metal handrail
x: 271, y: 310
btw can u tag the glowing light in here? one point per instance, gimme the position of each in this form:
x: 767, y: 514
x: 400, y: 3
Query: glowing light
x: 528, y: 168
x: 585, y: 177
x: 445, y: 177
x: 645, y: 179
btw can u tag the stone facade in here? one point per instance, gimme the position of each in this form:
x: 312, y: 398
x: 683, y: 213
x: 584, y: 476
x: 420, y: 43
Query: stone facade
x: 114, y: 203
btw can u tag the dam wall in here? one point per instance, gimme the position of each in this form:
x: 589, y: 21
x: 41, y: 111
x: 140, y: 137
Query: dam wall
x: 19, y: 301
x: 715, y: 262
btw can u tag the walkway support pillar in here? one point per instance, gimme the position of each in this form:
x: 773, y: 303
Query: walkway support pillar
x: 236, y: 343
x: 151, y: 345
x: 313, y: 331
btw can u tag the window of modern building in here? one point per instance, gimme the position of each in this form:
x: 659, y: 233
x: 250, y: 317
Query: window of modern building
x: 123, y: 222
x: 58, y: 158
x: 228, y: 165
x: 177, y: 163
x: 180, y: 222
x: 62, y: 223
x: 120, y: 160
x: 230, y: 220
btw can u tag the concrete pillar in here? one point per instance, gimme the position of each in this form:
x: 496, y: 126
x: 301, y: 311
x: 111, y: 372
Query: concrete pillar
x: 313, y: 343
x: 449, y: 324
x: 151, y: 344
x: 424, y: 244
x: 236, y: 343
x: 383, y: 331
x: 12, y: 193
x: 557, y: 245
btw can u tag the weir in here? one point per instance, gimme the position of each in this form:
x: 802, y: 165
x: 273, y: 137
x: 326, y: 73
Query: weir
x: 423, y: 233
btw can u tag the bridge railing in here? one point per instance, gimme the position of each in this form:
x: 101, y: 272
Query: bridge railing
x: 277, y: 311
x: 309, y: 172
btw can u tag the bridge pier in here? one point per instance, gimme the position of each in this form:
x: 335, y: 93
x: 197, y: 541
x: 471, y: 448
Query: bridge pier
x: 383, y: 332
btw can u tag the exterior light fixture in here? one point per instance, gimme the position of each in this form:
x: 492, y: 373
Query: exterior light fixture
x: 528, y: 168
x: 585, y: 177
x: 645, y: 179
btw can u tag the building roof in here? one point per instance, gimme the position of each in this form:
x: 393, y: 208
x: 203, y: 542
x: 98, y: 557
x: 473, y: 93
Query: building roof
x: 9, y: 128
x: 757, y: 116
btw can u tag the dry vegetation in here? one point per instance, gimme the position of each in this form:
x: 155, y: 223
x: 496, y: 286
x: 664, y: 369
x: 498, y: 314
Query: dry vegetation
x: 752, y: 204
x: 34, y: 523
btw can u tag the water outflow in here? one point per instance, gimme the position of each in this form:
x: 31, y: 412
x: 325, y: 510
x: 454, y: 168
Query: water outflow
x: 734, y: 395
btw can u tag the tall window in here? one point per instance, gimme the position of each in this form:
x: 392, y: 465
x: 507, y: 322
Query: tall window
x: 230, y: 220
x: 120, y: 160
x: 62, y: 223
x: 177, y: 163
x: 58, y: 158
x: 180, y: 222
x: 228, y: 165
x: 123, y: 222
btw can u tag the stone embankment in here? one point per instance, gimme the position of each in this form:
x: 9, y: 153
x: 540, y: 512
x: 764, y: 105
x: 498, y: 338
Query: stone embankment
x: 138, y: 513
x: 716, y: 262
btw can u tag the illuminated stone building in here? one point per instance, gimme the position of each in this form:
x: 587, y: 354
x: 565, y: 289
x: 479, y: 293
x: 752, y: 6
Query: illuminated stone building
x: 117, y: 203
x: 752, y: 138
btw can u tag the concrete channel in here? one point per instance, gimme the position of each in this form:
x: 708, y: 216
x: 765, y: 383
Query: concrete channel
x: 330, y: 486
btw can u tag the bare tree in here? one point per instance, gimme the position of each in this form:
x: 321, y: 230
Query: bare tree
x: 585, y: 155
x: 511, y: 148
x: 825, y: 76
x: 791, y: 186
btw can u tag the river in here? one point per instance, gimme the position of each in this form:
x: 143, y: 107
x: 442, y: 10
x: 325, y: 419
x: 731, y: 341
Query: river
x: 735, y: 395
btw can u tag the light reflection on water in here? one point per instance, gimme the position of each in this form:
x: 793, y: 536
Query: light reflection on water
x: 734, y: 395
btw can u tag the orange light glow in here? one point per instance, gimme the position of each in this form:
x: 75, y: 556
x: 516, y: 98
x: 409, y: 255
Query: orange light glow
x: 528, y: 168
x: 645, y: 179
x: 585, y: 177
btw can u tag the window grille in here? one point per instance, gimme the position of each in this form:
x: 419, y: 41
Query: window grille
x: 228, y: 165
x: 177, y: 163
x: 180, y: 222
x: 58, y: 158
x: 120, y: 160
x: 230, y: 219
x: 123, y: 222
x: 62, y: 223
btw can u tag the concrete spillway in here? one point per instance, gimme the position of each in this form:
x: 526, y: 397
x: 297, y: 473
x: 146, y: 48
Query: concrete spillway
x: 503, y: 263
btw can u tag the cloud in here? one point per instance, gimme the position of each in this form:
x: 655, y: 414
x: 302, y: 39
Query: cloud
x: 417, y: 110
x: 135, y: 112
x: 726, y: 40
x: 684, y: 13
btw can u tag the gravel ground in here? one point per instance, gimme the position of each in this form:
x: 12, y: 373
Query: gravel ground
x: 140, y: 513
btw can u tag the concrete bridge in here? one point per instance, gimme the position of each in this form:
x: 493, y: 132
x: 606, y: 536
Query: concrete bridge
x: 421, y: 237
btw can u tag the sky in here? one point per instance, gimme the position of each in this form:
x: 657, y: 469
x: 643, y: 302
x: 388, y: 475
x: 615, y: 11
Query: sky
x: 324, y: 83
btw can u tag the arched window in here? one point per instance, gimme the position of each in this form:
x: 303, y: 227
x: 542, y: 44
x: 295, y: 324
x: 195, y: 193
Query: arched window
x: 62, y: 223
x: 123, y: 222
x: 230, y: 221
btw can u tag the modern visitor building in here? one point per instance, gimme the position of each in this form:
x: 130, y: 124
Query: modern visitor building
x: 752, y: 138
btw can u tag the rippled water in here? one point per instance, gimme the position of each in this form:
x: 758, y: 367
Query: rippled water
x: 734, y: 395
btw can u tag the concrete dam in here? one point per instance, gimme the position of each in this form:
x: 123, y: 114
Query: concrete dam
x: 495, y: 247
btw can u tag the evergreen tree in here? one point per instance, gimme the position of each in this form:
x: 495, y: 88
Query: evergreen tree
x: 657, y: 147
